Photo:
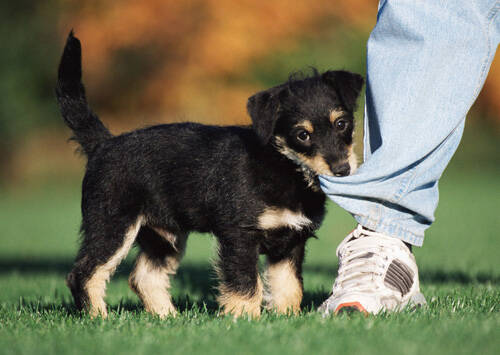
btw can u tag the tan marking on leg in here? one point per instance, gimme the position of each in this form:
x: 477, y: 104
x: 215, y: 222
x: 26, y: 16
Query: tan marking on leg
x: 239, y: 304
x: 284, y: 287
x: 151, y: 281
x: 307, y: 125
x: 352, y: 159
x: 96, y: 285
x: 336, y: 113
x: 317, y: 163
x: 273, y: 217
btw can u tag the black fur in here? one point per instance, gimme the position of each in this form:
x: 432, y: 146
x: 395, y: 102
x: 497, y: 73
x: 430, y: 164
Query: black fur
x: 87, y: 128
x: 190, y: 177
x: 347, y: 85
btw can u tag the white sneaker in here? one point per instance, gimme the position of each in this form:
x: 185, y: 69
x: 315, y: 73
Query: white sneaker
x: 376, y: 273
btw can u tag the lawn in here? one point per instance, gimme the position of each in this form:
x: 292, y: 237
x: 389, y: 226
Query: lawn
x: 459, y: 269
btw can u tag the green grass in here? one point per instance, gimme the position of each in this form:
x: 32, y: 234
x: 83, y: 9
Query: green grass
x: 459, y: 267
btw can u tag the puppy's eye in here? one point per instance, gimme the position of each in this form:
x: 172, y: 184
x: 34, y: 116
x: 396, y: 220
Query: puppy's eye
x: 341, y: 124
x: 303, y: 136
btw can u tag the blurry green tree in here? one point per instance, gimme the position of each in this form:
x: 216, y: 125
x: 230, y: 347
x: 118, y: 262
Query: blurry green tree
x: 29, y: 44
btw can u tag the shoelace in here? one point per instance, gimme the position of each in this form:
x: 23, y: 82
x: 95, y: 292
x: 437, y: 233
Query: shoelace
x: 363, y: 256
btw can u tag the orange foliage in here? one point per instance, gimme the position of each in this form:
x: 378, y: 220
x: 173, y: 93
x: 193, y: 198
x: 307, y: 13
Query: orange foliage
x: 195, y: 46
x: 198, y: 44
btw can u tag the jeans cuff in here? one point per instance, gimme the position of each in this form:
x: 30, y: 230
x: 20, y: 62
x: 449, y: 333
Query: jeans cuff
x: 392, y: 230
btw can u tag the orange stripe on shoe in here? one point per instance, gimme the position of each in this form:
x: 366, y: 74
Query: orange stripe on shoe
x: 356, y: 305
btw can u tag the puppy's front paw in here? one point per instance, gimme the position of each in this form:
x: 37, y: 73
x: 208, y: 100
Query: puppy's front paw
x: 238, y: 304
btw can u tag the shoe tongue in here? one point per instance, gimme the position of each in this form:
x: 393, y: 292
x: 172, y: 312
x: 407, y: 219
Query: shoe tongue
x: 355, y: 234
x: 359, y: 235
x: 351, y: 237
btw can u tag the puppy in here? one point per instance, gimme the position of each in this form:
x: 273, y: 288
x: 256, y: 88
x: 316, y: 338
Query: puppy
x: 255, y: 188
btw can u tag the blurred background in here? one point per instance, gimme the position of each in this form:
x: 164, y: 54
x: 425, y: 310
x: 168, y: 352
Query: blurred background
x: 159, y: 61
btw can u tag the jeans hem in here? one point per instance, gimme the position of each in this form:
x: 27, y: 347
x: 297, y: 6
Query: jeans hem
x: 392, y: 230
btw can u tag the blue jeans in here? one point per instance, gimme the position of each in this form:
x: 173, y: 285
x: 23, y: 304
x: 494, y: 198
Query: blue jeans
x: 426, y: 64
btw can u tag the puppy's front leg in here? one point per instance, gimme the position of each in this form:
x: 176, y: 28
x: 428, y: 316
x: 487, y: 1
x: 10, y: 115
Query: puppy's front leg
x: 284, y: 278
x: 240, y: 291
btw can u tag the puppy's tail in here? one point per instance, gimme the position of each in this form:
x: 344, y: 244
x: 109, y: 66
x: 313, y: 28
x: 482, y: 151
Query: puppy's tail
x: 87, y: 129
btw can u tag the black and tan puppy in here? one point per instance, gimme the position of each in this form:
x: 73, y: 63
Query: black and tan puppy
x: 255, y: 188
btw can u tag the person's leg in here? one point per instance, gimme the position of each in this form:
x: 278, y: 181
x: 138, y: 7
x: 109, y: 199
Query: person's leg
x: 426, y: 63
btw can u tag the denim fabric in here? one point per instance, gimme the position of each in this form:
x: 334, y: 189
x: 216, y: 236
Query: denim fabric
x: 427, y: 61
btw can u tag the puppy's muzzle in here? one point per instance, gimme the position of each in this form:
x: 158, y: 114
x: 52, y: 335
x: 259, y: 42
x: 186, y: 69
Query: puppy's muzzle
x: 342, y: 169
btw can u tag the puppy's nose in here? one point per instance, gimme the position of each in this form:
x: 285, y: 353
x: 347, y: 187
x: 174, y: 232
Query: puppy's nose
x: 341, y: 169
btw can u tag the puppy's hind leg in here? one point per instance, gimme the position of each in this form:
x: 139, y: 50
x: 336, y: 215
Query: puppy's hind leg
x: 159, y: 258
x: 103, y: 247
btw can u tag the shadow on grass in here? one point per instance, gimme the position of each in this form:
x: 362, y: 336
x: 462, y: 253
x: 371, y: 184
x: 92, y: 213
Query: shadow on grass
x: 192, y: 277
x: 312, y: 300
x: 183, y: 304
x: 199, y: 276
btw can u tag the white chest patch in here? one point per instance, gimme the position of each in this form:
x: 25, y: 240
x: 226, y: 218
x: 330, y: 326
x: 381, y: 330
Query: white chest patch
x: 274, y: 217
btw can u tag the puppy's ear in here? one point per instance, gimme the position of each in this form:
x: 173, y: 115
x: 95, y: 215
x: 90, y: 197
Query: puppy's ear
x: 263, y: 110
x: 347, y: 85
